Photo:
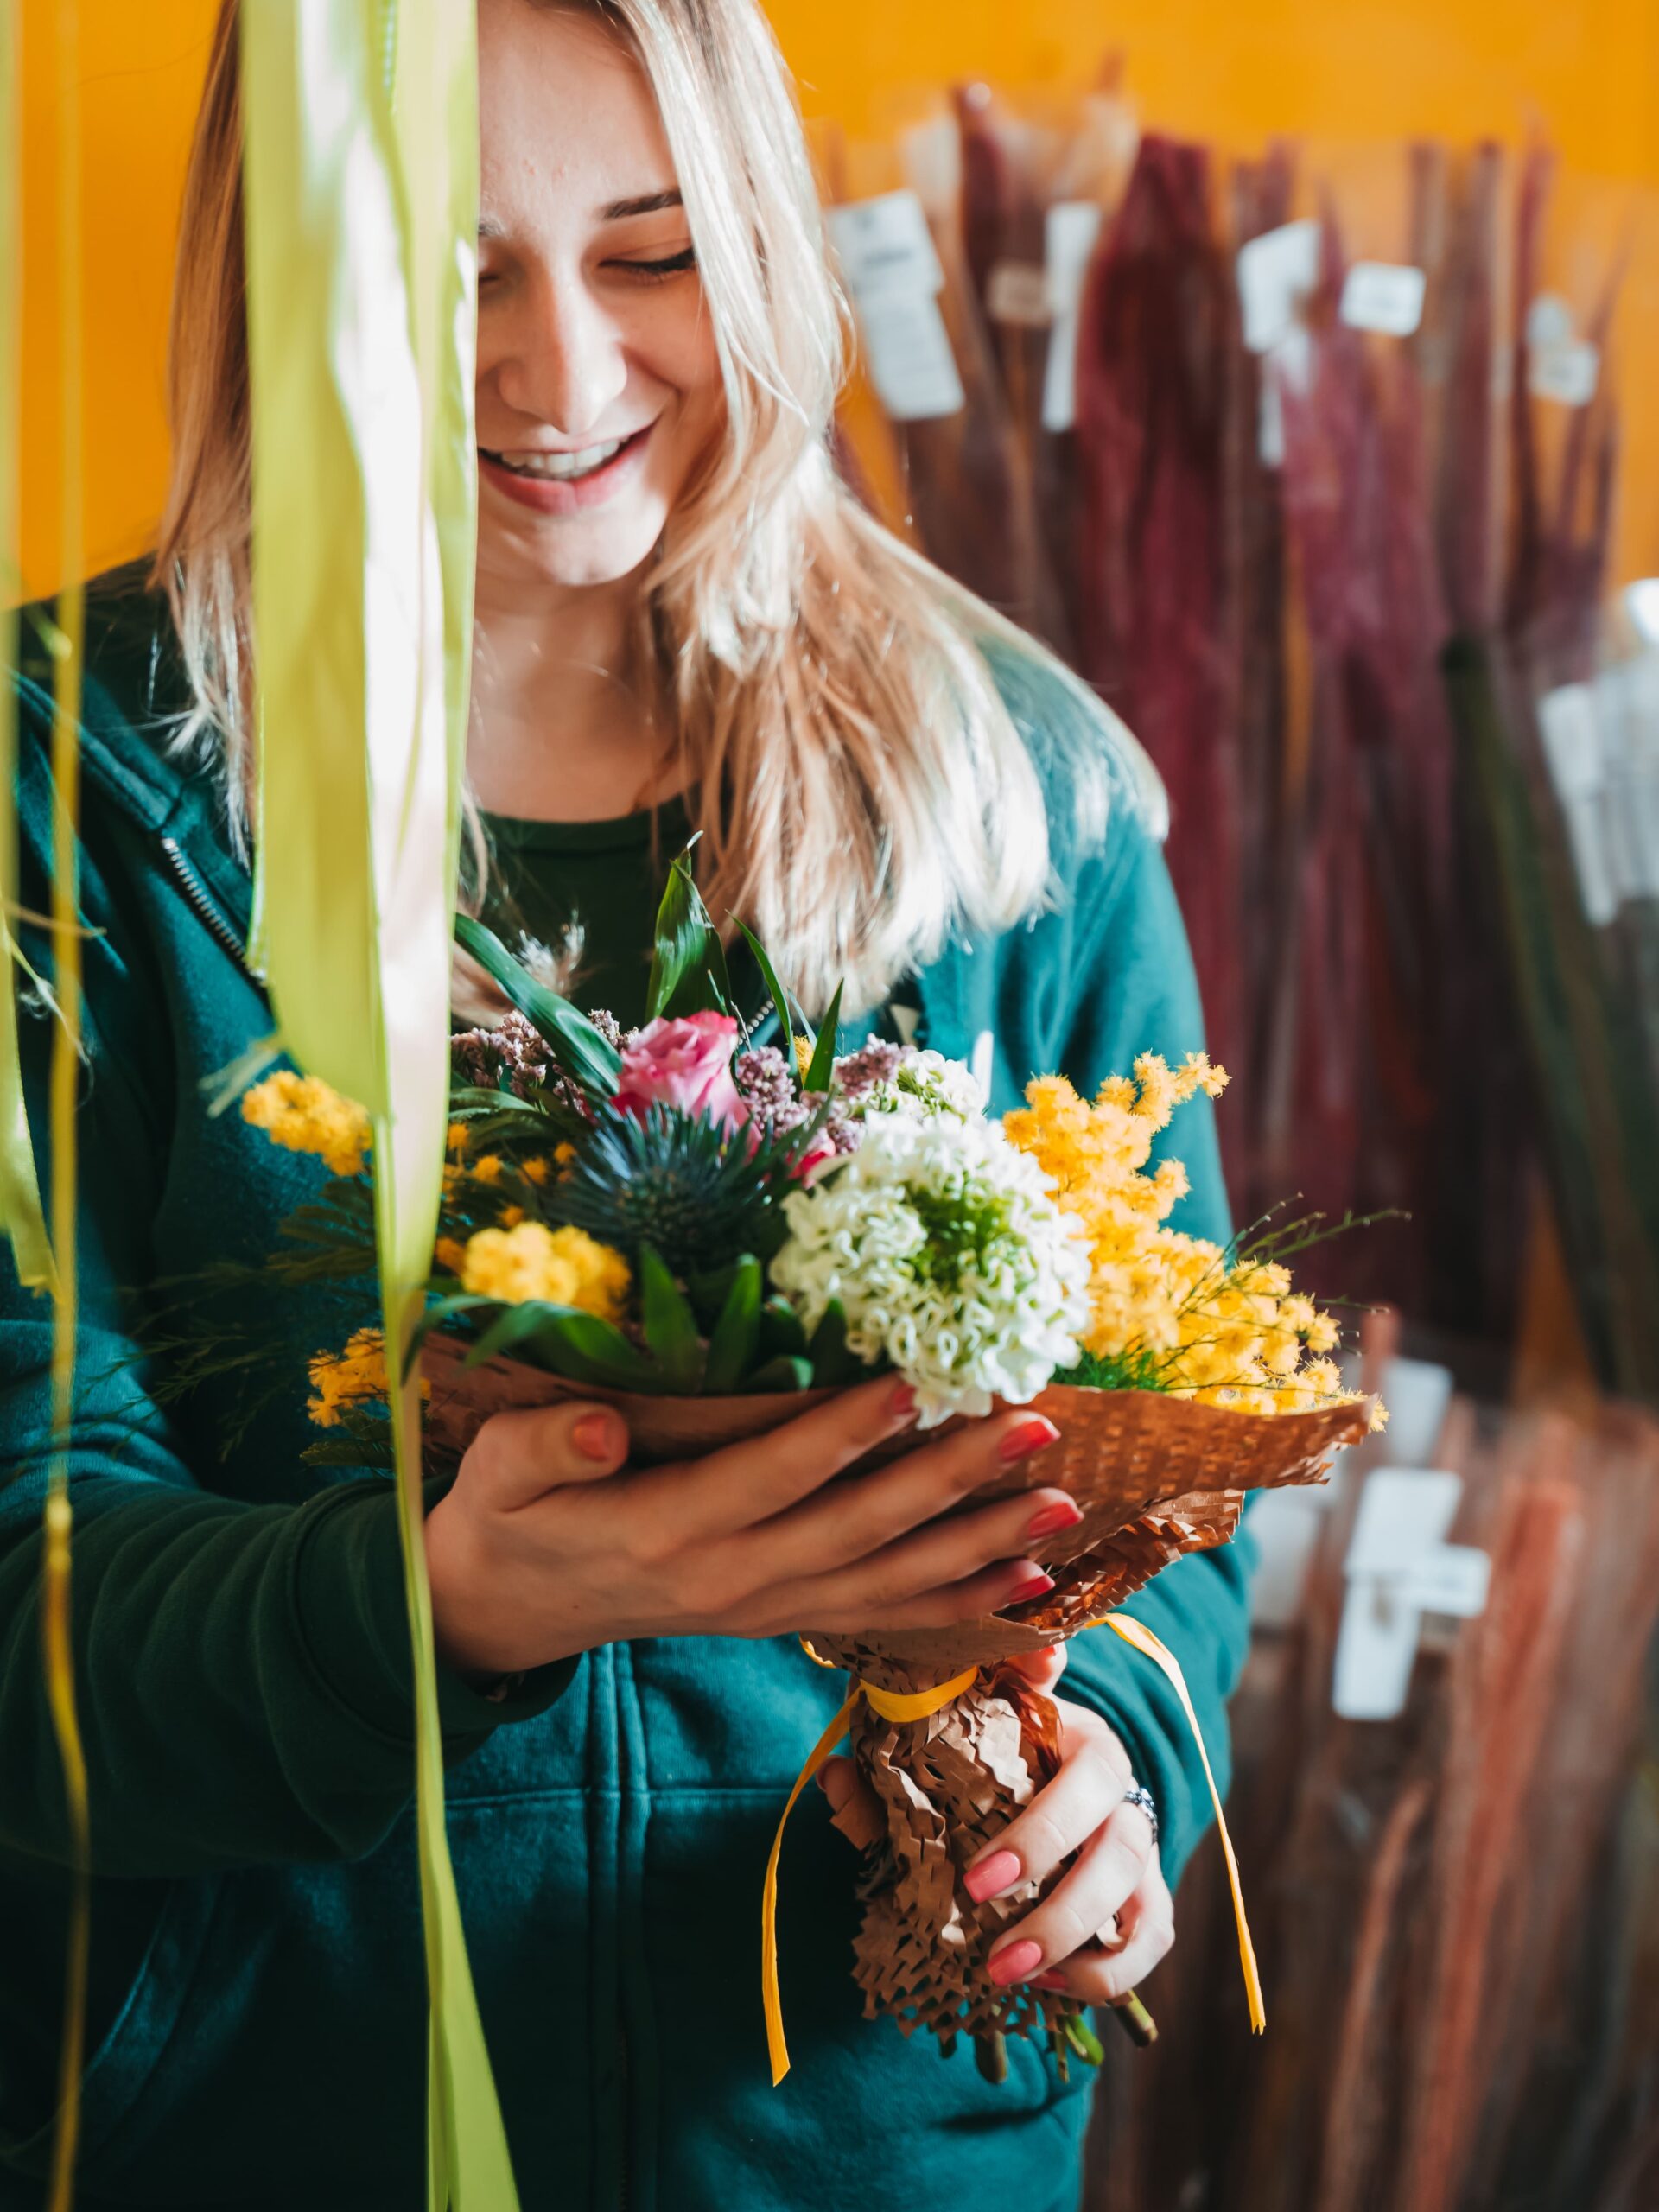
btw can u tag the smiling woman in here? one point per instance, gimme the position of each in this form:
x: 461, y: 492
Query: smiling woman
x: 598, y: 378
x: 711, y: 611
x: 683, y: 621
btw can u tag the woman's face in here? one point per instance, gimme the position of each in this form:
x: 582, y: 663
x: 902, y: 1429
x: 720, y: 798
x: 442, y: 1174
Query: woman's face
x: 598, y: 383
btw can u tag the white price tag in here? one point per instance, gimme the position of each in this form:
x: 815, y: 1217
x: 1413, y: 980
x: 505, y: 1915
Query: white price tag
x: 1549, y: 323
x: 1070, y: 229
x: 1567, y: 374
x: 1017, y: 293
x: 1399, y: 1568
x: 885, y: 245
x: 1455, y: 1578
x: 1628, y: 704
x: 893, y: 271
x: 1404, y: 1512
x: 1286, y: 366
x: 1570, y: 730
x: 1277, y: 272
x: 1417, y: 1393
x: 1380, y: 296
x: 911, y: 365
x: 1567, y: 722
x: 1270, y: 425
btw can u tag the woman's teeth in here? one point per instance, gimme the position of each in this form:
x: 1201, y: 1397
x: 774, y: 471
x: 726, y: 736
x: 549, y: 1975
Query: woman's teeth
x: 561, y: 467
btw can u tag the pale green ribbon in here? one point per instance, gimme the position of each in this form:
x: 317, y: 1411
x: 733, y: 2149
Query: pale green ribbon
x: 361, y: 193
x: 21, y: 1215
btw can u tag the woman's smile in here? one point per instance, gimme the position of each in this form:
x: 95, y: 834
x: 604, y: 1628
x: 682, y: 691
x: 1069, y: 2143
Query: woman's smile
x: 564, y: 483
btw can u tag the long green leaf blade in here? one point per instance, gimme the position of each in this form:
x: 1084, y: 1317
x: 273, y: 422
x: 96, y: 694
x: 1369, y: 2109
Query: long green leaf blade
x: 671, y: 1334
x: 779, y: 997
x: 732, y: 1346
x: 571, y: 1038
x: 818, y: 1075
x: 688, y: 966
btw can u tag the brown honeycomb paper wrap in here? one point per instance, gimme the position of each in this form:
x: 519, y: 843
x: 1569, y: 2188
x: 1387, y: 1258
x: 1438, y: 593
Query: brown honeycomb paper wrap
x: 1156, y: 1476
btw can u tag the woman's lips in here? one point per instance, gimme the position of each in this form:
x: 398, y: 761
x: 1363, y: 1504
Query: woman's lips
x: 548, y: 497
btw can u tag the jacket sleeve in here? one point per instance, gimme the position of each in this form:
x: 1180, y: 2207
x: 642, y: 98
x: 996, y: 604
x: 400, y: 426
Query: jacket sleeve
x: 1133, y: 990
x: 242, y: 1670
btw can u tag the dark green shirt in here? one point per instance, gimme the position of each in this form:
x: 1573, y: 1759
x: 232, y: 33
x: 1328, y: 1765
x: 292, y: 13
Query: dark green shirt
x: 593, y: 887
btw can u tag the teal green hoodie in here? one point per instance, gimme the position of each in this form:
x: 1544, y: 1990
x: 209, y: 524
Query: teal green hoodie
x: 257, y: 2003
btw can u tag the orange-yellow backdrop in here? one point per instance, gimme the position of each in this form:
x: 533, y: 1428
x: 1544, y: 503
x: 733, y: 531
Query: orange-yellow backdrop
x: 1589, y: 71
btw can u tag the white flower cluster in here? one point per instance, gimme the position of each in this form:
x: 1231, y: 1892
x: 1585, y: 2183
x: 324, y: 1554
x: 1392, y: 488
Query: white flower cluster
x: 949, y: 1258
x: 926, y: 1082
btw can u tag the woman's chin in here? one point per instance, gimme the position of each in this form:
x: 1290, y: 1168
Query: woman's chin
x: 564, y: 554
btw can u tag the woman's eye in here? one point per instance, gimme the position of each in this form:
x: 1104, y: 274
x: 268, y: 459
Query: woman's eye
x: 676, y: 265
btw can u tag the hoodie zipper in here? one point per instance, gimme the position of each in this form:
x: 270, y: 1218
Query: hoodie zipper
x: 196, y: 894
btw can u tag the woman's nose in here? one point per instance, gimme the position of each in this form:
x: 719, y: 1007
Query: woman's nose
x: 565, y: 361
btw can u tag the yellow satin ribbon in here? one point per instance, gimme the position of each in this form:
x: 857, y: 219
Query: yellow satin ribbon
x: 917, y: 1707
x: 1140, y: 1638
x: 55, y: 1585
x: 891, y: 1707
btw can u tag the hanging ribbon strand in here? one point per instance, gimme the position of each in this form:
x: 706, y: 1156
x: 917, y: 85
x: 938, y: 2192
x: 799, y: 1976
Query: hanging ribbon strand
x: 50, y: 1267
x: 360, y: 125
x: 21, y: 1217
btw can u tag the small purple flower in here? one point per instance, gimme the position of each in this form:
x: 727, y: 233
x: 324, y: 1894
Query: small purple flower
x: 515, y: 1049
x: 765, y: 1085
x: 858, y: 1073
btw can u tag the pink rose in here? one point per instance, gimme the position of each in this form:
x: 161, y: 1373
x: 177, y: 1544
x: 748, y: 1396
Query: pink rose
x: 686, y: 1064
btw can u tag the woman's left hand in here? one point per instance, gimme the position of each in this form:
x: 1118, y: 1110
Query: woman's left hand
x: 1103, y: 1927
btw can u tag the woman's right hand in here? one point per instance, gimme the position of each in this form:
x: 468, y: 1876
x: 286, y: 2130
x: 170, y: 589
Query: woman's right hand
x: 548, y: 1543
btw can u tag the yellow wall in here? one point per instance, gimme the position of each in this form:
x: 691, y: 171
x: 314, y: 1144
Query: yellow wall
x: 1588, y: 69
x: 1237, y: 69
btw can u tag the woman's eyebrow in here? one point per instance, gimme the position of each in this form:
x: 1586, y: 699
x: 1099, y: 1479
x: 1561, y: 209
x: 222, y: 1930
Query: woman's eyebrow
x: 652, y: 204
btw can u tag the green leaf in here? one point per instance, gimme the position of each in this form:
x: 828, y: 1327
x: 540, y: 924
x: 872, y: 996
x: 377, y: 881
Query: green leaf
x: 671, y: 1328
x: 571, y: 1343
x: 779, y: 998
x: 818, y: 1074
x: 688, y: 967
x: 571, y: 1038
x: 731, y: 1347
x: 444, y: 1310
x: 780, y: 1330
x: 833, y: 1364
x: 781, y: 1373
x: 708, y: 1288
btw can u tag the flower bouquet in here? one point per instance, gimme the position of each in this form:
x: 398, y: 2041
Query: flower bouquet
x: 712, y: 1234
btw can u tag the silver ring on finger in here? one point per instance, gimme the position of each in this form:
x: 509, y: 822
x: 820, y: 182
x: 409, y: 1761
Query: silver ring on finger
x: 1138, y: 1796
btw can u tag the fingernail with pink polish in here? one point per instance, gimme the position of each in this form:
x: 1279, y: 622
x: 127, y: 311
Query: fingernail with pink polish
x: 1063, y: 1513
x: 1014, y: 1963
x: 902, y: 1404
x: 1033, y: 1586
x: 1031, y: 1436
x: 592, y: 1436
x: 1052, y: 1980
x: 992, y: 1877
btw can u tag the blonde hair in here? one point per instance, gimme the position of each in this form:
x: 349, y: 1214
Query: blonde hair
x: 862, y: 788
